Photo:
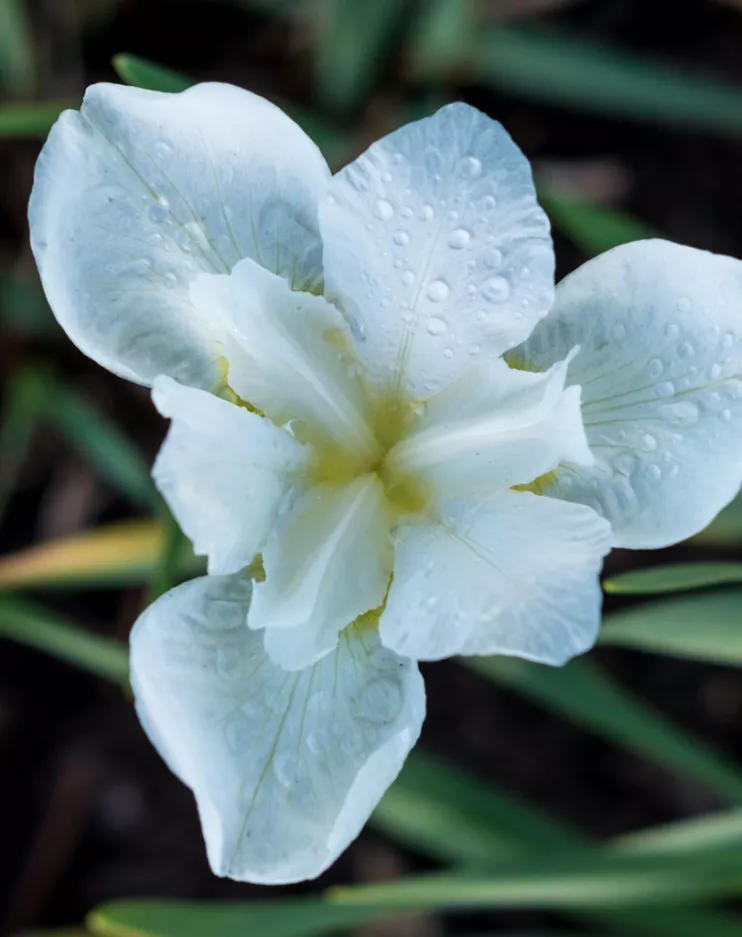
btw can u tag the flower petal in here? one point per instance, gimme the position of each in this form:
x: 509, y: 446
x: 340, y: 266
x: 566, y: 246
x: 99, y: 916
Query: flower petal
x: 139, y: 191
x: 328, y: 562
x: 493, y: 428
x: 660, y: 368
x: 291, y: 355
x: 516, y: 574
x: 224, y: 472
x: 437, y: 249
x: 285, y: 767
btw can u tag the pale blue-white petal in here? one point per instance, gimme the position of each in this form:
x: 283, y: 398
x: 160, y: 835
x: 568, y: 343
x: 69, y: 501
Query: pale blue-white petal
x: 291, y: 355
x: 660, y: 366
x: 285, y: 767
x: 328, y: 562
x: 492, y: 428
x: 140, y: 191
x: 225, y: 472
x: 516, y: 574
x: 436, y: 249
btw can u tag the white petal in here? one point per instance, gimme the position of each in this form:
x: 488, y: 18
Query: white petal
x: 285, y: 767
x: 224, y: 472
x: 516, y: 574
x: 660, y: 366
x: 140, y: 191
x: 327, y: 563
x: 493, y: 428
x: 437, y: 249
x: 291, y: 355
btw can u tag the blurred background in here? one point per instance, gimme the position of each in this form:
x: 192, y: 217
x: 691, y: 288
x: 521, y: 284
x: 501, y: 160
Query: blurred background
x: 631, y: 111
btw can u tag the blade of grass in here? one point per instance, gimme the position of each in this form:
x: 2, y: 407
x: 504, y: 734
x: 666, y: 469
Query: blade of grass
x: 34, y: 119
x: 586, y: 695
x: 550, y: 66
x: 124, y: 553
x: 110, y: 451
x: 674, y: 577
x: 134, y: 70
x: 16, y: 50
x: 702, y: 627
x: 40, y: 628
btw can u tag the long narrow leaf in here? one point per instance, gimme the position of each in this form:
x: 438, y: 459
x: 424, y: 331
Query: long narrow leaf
x: 702, y: 627
x: 675, y: 577
x: 587, y: 696
x: 33, y: 119
x: 134, y: 70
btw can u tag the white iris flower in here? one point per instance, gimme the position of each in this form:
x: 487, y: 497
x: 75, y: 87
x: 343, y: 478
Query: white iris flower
x: 330, y: 352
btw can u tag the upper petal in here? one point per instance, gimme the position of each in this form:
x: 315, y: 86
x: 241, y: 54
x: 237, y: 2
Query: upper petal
x: 328, y: 562
x: 436, y: 248
x: 291, y: 355
x: 224, y: 472
x: 285, y: 767
x: 139, y: 191
x: 493, y: 428
x: 516, y: 574
x: 660, y: 366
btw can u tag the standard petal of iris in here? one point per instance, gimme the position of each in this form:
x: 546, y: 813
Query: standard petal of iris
x: 516, y: 575
x: 493, y: 428
x: 291, y: 355
x: 328, y: 562
x: 140, y: 191
x: 285, y: 767
x: 225, y: 472
x: 437, y: 249
x: 660, y: 366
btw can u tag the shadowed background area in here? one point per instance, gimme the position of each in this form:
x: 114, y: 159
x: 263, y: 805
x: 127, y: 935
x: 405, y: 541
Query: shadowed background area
x: 632, y: 115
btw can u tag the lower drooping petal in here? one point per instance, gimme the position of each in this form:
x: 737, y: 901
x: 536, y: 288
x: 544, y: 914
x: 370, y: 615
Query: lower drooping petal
x: 140, y: 191
x: 660, y: 367
x: 516, y: 574
x: 285, y: 767
x: 224, y: 472
x: 493, y: 428
x: 436, y: 247
x: 328, y: 562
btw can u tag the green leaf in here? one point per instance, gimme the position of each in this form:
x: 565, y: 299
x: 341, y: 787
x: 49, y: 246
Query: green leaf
x: 26, y: 396
x: 702, y: 627
x: 593, y: 228
x: 16, y: 50
x: 580, y: 691
x: 726, y: 528
x: 578, y: 884
x: 448, y: 814
x: 98, y: 437
x: 722, y: 829
x: 441, y: 35
x: 351, y: 43
x: 142, y: 73
x: 675, y: 577
x: 125, y: 553
x: 40, y: 628
x: 32, y: 119
x: 550, y: 66
x: 24, y: 309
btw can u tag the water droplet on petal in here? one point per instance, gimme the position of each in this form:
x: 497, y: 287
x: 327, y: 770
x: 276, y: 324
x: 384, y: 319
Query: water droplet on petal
x: 714, y: 372
x: 284, y: 769
x: 426, y: 212
x: 653, y: 472
x: 378, y: 701
x: 684, y: 304
x: 470, y: 167
x: 686, y: 350
x: 408, y: 277
x: 383, y: 209
x: 665, y: 389
x: 159, y: 211
x: 437, y: 326
x: 401, y: 238
x: 492, y: 258
x: 496, y: 289
x: 459, y: 238
x: 488, y: 203
x: 655, y: 368
x: 437, y: 291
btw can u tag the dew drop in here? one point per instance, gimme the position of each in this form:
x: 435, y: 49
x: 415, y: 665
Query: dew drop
x: 437, y: 326
x: 618, y: 332
x: 714, y: 372
x: 727, y: 341
x: 426, y: 212
x: 655, y: 368
x: 386, y: 177
x: 408, y: 277
x: 684, y: 304
x: 492, y: 258
x: 383, y: 209
x: 672, y: 331
x: 452, y: 215
x: 686, y: 350
x: 488, y: 203
x: 159, y: 211
x: 496, y: 289
x: 284, y: 769
x: 401, y: 238
x: 163, y: 149
x: 437, y: 291
x: 665, y: 389
x: 471, y: 289
x: 406, y: 212
x: 459, y: 238
x: 448, y: 353
x: 470, y: 167
x: 648, y: 442
x: 653, y: 472
x: 171, y: 280
x: 725, y: 416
